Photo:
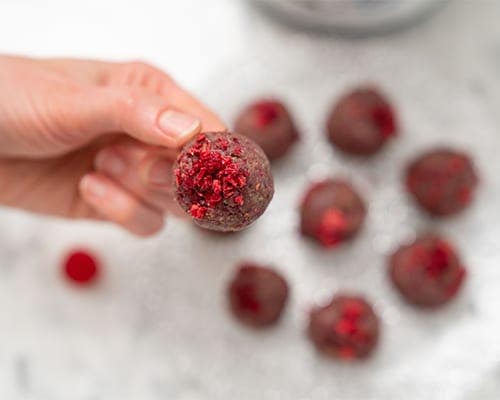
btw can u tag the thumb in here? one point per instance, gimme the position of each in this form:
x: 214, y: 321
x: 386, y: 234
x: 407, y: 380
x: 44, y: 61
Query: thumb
x: 139, y: 113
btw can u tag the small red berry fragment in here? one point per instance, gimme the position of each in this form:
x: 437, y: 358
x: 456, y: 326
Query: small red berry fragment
x: 81, y: 267
x: 266, y: 112
x: 197, y: 211
x: 427, y: 272
x: 333, y: 227
x: 383, y: 117
x: 362, y: 121
x: 346, y: 328
x: 331, y: 212
x: 223, y: 181
x: 442, y: 181
x: 270, y: 125
x: 257, y: 295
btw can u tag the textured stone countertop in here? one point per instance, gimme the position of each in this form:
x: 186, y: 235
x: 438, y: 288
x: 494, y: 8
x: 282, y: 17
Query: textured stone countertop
x: 156, y: 326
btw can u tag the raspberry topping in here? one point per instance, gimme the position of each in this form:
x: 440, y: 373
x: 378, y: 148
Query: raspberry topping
x: 384, y: 119
x: 347, y: 328
x: 213, y: 176
x: 246, y: 296
x: 465, y: 195
x: 438, y: 259
x: 81, y: 267
x: 332, y: 228
x: 265, y: 112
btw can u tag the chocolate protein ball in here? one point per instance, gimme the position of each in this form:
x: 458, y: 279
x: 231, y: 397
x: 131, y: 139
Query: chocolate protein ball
x: 223, y: 180
x: 270, y: 125
x: 331, y: 212
x: 257, y: 295
x: 442, y: 181
x: 346, y: 328
x: 361, y: 122
x: 427, y: 272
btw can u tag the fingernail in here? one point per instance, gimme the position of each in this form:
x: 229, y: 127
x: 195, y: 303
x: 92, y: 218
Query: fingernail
x: 94, y: 187
x: 147, y: 223
x: 160, y: 173
x: 110, y: 162
x: 178, y: 125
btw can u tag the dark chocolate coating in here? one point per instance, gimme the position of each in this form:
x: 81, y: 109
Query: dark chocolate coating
x: 442, y: 181
x: 223, y: 180
x: 427, y: 272
x: 331, y: 212
x: 346, y: 328
x: 257, y: 295
x: 270, y: 125
x: 361, y: 122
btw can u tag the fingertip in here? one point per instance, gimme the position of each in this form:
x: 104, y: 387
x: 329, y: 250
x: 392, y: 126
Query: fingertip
x: 116, y: 205
x: 92, y: 186
x: 149, y: 230
x: 180, y: 127
x: 110, y: 161
x: 169, y: 120
x: 156, y: 173
x: 183, y: 100
x: 212, y: 123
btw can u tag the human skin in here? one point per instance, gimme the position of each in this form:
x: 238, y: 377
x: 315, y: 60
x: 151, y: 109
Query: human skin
x: 93, y: 140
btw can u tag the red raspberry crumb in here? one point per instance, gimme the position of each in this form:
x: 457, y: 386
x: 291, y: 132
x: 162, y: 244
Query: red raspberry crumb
x: 265, y: 112
x: 247, y: 298
x: 346, y: 328
x: 81, y: 267
x: 427, y: 272
x: 333, y: 228
x: 212, y: 176
x: 384, y: 119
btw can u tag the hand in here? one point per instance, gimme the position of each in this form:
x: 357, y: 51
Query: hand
x: 89, y: 139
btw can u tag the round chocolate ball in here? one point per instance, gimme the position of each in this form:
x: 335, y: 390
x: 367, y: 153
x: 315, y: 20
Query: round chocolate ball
x: 223, y: 181
x: 347, y: 328
x: 331, y: 212
x: 442, y: 181
x: 427, y: 272
x: 269, y: 124
x: 361, y: 122
x: 257, y: 295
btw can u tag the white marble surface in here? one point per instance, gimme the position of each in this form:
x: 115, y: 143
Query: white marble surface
x: 156, y: 326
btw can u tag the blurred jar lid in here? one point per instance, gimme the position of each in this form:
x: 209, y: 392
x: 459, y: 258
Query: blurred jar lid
x: 357, y: 17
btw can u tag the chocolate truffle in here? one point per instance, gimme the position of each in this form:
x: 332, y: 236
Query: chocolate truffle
x: 442, y: 181
x: 427, y: 272
x: 223, y: 181
x: 270, y: 125
x: 361, y: 122
x: 257, y: 295
x: 346, y: 328
x: 331, y: 212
